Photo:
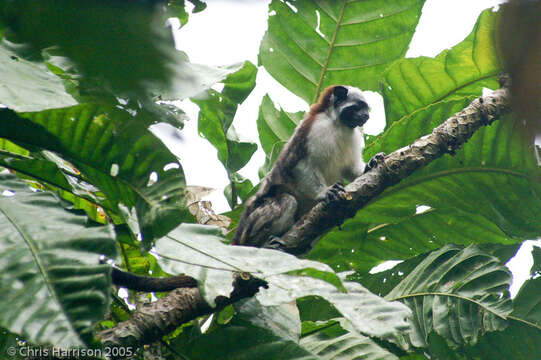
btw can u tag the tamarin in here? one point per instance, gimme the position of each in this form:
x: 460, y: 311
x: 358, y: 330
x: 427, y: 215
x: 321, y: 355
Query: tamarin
x: 325, y: 148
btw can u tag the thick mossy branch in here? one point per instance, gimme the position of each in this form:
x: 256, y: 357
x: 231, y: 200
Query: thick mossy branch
x: 154, y: 320
x: 446, y: 138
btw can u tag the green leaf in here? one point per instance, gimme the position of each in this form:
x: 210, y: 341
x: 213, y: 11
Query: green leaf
x: 191, y: 79
x: 47, y: 175
x: 412, y: 84
x: 216, y: 116
x: 283, y: 320
x: 200, y: 253
x: 275, y: 127
x: 518, y: 342
x: 240, y: 340
x: 458, y: 293
x: 123, y: 43
x: 54, y: 287
x: 310, y: 45
x: 536, y: 267
x: 116, y: 153
x: 28, y: 85
x: 243, y: 188
x: 334, y: 342
x: 527, y: 303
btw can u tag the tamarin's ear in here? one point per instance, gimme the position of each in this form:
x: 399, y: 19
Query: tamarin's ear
x: 340, y: 93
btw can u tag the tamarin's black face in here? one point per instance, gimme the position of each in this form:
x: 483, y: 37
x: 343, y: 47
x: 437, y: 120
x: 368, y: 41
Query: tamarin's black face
x: 351, y: 106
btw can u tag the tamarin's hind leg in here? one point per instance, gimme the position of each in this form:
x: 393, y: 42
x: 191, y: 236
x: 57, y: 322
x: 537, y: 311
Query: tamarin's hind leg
x: 273, y: 217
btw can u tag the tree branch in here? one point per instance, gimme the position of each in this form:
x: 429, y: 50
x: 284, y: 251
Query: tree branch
x: 446, y: 138
x: 154, y: 320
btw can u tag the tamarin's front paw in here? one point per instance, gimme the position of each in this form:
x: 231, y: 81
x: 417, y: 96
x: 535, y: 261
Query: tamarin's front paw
x: 336, y: 192
x: 376, y: 159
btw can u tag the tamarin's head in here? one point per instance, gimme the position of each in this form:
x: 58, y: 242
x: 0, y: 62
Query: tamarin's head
x: 350, y: 105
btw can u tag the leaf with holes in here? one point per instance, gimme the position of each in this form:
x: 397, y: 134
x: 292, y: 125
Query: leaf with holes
x: 54, y: 289
x: 459, y: 293
x: 310, y: 45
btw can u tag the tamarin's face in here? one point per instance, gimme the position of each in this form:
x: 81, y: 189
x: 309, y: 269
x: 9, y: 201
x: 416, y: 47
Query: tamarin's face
x: 350, y: 105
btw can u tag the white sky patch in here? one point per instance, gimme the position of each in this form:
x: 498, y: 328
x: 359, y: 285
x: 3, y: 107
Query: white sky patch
x: 444, y: 24
x: 419, y: 209
x: 123, y: 294
x: 318, y: 30
x: 520, y: 265
x: 376, y: 122
x: 389, y: 264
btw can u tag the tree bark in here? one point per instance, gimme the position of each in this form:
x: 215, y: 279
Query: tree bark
x: 154, y: 320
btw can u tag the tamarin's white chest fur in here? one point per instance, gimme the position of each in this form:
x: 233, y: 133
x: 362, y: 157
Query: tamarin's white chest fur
x: 335, y: 148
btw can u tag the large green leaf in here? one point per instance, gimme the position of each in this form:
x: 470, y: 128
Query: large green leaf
x: 412, y: 84
x: 47, y: 175
x: 518, y: 342
x: 527, y: 304
x: 241, y: 340
x: 28, y: 85
x: 216, y: 117
x: 521, y: 339
x: 333, y: 341
x: 123, y: 43
x: 458, y: 293
x: 199, y: 252
x: 275, y: 127
x: 114, y: 151
x: 54, y: 287
x: 283, y: 320
x: 310, y: 45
